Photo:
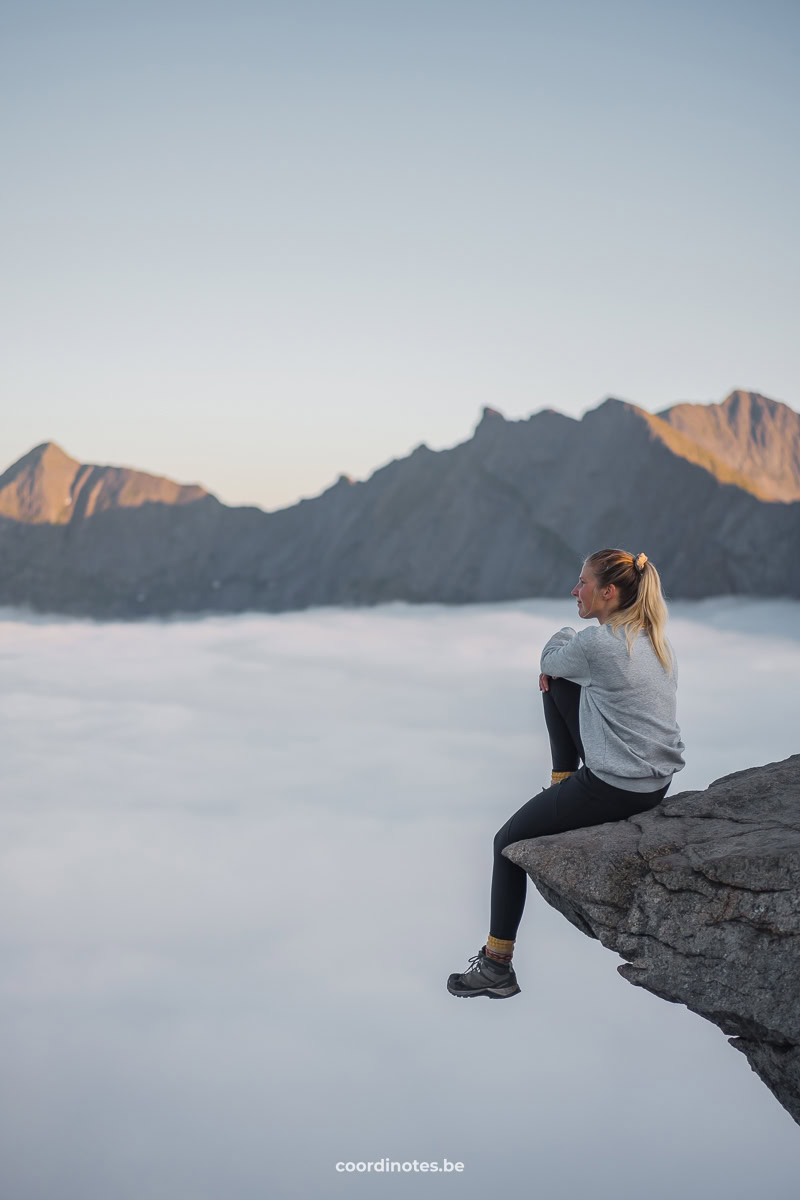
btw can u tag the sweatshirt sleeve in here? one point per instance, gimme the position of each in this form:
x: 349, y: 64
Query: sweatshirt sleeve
x: 564, y: 658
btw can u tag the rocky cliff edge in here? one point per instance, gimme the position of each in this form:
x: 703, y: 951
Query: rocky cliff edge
x: 701, y: 895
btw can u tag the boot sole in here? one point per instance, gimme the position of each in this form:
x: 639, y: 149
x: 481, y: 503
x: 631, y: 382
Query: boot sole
x: 493, y: 994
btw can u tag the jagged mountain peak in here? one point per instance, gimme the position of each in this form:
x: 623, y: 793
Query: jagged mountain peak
x: 740, y: 396
x: 36, y: 488
x: 612, y: 407
x: 48, y: 447
x: 738, y: 400
x: 752, y: 434
x: 48, y: 486
x: 491, y: 419
x: 45, y: 452
x: 612, y: 402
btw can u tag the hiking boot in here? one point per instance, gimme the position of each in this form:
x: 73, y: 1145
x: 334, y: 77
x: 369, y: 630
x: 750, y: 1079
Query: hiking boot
x: 485, y: 977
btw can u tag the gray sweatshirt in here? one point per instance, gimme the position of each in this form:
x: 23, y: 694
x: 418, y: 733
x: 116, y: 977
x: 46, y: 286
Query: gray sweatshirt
x: 627, y: 710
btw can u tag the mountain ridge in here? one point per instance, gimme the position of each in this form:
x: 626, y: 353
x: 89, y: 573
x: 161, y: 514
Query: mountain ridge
x: 684, y: 428
x: 507, y: 514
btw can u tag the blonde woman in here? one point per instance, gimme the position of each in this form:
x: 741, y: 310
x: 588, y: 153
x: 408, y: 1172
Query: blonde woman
x: 609, y: 694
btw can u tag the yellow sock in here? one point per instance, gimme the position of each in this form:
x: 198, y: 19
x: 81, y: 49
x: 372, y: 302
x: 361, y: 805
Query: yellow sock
x: 500, y: 949
x: 557, y: 776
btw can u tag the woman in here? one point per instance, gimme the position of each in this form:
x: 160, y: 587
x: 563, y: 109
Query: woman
x: 609, y: 701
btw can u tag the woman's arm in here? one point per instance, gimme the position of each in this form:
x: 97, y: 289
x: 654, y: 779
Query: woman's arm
x: 564, y: 658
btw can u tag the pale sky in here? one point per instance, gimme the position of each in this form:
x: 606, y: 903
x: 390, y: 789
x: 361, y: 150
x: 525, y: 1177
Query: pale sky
x: 254, y: 245
x: 235, y: 883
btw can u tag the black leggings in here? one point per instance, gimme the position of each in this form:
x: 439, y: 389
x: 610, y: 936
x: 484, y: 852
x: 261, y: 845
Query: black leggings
x: 579, y: 801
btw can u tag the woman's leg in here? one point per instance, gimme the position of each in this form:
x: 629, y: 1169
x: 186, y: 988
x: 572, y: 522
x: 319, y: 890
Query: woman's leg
x: 561, y: 715
x: 577, y: 802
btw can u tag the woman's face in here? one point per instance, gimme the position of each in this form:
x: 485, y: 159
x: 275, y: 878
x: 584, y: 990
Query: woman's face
x: 591, y: 602
x: 584, y: 592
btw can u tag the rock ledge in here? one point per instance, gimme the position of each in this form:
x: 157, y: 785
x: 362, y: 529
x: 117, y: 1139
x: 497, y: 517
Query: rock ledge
x: 702, y: 896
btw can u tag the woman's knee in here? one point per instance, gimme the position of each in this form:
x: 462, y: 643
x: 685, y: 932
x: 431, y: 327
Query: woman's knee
x: 503, y: 838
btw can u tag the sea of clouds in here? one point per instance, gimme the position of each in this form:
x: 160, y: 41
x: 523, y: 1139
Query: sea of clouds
x: 240, y: 856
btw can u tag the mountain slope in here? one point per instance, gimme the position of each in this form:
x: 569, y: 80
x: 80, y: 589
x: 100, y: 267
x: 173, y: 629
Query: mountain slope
x: 755, y: 437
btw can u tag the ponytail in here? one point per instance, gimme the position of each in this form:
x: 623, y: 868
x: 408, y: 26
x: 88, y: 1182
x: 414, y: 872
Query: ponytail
x: 642, y: 607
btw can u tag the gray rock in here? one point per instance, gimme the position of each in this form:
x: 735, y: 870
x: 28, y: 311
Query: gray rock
x: 701, y: 895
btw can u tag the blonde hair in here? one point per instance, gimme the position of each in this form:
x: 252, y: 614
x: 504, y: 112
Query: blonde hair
x: 642, y: 607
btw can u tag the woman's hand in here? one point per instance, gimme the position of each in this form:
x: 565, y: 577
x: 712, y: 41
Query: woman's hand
x: 544, y: 683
